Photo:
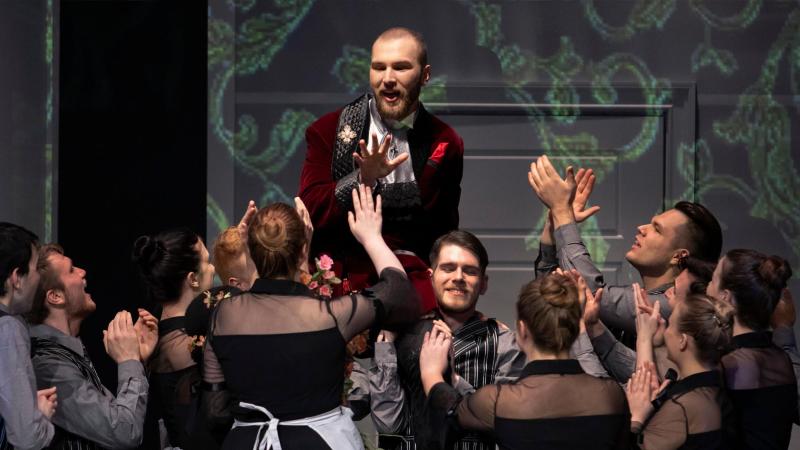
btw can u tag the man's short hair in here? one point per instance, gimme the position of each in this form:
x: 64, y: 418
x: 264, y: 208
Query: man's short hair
x: 399, y: 32
x: 703, y: 236
x: 228, y: 247
x: 48, y: 279
x: 463, y: 239
x: 16, y: 248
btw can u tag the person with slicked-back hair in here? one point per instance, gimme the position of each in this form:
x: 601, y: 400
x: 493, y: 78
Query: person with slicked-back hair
x: 175, y: 268
x: 687, y: 230
x: 554, y: 403
x: 684, y: 412
x: 278, y: 350
x: 758, y: 375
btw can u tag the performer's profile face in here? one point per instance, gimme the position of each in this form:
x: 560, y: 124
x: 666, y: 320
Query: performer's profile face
x: 457, y: 279
x: 397, y: 76
x: 658, y: 242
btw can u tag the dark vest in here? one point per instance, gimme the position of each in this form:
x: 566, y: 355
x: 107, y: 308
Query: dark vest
x: 63, y: 439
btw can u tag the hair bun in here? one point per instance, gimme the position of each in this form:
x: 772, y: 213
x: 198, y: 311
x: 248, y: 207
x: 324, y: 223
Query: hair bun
x: 776, y: 272
x: 272, y: 234
x: 559, y: 291
x: 147, y: 250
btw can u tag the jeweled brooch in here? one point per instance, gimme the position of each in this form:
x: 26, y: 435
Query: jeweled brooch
x: 347, y: 134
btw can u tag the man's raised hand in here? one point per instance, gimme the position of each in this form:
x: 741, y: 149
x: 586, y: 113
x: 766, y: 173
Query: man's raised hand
x: 375, y: 164
x: 585, y: 180
x: 555, y: 192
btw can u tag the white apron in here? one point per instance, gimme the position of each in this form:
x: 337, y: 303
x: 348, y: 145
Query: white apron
x: 335, y: 427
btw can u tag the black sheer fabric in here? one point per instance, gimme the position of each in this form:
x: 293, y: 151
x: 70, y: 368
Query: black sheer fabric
x: 689, y: 418
x: 553, y: 404
x: 281, y: 348
x: 762, y: 388
x: 174, y: 378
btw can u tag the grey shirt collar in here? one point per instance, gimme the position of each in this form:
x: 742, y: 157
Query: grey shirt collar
x: 45, y: 331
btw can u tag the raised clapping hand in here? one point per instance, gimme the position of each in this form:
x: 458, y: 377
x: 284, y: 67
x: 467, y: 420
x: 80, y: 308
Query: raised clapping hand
x: 120, y: 339
x: 433, y: 357
x: 590, y: 302
x: 556, y: 193
x: 365, y: 220
x: 641, y: 391
x: 567, y: 197
x: 585, y: 180
x: 249, y: 212
x: 146, y: 328
x: 302, y: 211
x: 648, y: 318
x: 376, y: 164
x: 47, y: 401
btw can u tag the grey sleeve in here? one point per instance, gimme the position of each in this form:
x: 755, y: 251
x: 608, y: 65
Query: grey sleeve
x: 583, y: 351
x: 387, y: 398
x: 95, y: 414
x: 619, y: 360
x: 784, y: 338
x: 510, y: 360
x: 26, y: 427
x: 546, y: 261
x: 572, y: 254
x: 358, y: 397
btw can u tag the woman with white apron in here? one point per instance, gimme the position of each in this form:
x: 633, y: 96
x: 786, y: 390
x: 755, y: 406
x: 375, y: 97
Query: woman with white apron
x: 278, y: 350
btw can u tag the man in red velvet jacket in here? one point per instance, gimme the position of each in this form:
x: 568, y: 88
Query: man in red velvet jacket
x: 385, y: 139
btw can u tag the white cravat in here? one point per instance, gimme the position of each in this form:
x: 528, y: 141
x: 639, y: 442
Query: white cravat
x: 399, y: 130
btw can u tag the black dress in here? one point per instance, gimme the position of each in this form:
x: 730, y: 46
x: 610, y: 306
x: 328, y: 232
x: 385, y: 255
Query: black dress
x: 552, y: 405
x: 281, y: 348
x: 689, y: 417
x: 762, y: 387
x: 174, y: 377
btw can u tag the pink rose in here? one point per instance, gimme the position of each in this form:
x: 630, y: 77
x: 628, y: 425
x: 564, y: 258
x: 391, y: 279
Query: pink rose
x: 325, y: 262
x: 325, y: 290
x: 329, y: 274
x: 313, y: 285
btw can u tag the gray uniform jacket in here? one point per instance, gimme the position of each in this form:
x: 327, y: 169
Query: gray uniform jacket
x: 88, y: 411
x: 25, y: 426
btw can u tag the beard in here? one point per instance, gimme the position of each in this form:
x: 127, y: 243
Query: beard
x: 406, y: 101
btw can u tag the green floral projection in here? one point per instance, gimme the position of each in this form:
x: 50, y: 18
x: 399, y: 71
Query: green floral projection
x: 758, y: 126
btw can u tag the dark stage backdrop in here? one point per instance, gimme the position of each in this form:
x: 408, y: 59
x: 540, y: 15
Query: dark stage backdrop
x: 666, y: 99
x: 132, y: 142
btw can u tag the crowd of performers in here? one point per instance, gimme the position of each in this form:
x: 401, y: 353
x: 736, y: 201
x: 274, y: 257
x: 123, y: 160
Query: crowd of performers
x: 360, y: 302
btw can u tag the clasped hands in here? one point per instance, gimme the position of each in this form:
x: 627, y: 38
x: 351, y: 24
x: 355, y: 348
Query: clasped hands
x: 123, y: 340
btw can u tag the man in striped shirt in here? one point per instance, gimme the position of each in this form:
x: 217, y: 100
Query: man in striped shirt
x: 484, y: 351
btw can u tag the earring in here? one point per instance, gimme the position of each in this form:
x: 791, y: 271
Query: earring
x: 195, y: 284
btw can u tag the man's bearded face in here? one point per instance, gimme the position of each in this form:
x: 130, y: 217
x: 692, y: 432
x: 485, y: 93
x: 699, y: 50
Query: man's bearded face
x: 396, y: 76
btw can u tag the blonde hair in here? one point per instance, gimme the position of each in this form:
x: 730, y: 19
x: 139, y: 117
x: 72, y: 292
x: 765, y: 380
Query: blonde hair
x: 228, y: 247
x: 550, y: 308
x: 276, y: 237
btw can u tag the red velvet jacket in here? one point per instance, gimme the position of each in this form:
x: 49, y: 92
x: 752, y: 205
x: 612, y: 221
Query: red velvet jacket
x: 329, y: 174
